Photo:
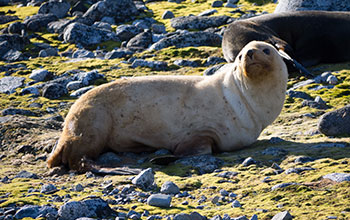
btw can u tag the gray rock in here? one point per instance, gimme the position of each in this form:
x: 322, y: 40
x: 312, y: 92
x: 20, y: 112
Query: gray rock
x: 34, y: 211
x: 212, y: 70
x: 318, y: 103
x: 159, y: 200
x: 48, y: 189
x: 298, y: 94
x: 119, y: 53
x: 16, y: 28
x: 108, y: 159
x: 78, y: 33
x: 39, y: 75
x: 157, y: 65
x: 254, y: 217
x: 303, y: 159
x: 188, y: 39
x: 102, y: 25
x: 141, y: 41
x: 212, y: 60
x: 39, y: 21
x: 197, y: 216
x: 208, y: 12
x: 182, y: 216
x: 13, y: 56
x: 227, y: 174
x: 186, y: 63
x: 108, y: 19
x: 8, y: 84
x: 82, y: 53
x: 54, y: 91
x: 120, y: 10
x: 4, y: 48
x: 30, y: 90
x: 144, y: 24
x: 58, y: 8
x: 78, y: 188
x: 283, y: 216
x: 92, y: 208
x: 16, y: 42
x: 158, y: 29
x: 332, y: 80
x: 17, y: 111
x: 217, y: 3
x: 74, y: 85
x: 169, y: 188
x: 81, y: 91
x: 198, y: 22
x: 282, y: 185
x: 48, y: 52
x: 88, y: 78
x: 26, y: 174
x: 248, y: 161
x: 274, y: 151
x: 58, y: 26
x: 203, y: 163
x: 126, y: 32
x: 298, y: 170
x: 302, y: 5
x: 338, y: 177
x: 236, y: 204
x: 144, y: 179
x: 168, y: 15
x: 335, y: 123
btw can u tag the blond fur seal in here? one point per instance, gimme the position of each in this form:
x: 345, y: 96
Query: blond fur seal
x: 188, y: 115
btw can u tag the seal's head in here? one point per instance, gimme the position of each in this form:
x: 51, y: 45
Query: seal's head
x: 258, y: 59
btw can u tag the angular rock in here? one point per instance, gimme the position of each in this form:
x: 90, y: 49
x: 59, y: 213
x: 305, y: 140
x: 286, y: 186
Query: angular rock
x: 189, y: 39
x: 34, y: 211
x: 88, y: 78
x: 168, y: 14
x: 217, y: 4
x: 58, y: 26
x: 120, y: 10
x: 58, y: 8
x: 283, y: 216
x: 54, y: 91
x: 48, y: 52
x: 8, y: 84
x: 236, y: 204
x: 248, y: 161
x: 159, y: 200
x: 82, y: 53
x: 82, y: 34
x: 26, y: 174
x: 126, y: 32
x: 15, y: 41
x: 81, y: 91
x: 335, y: 123
x: 198, y: 22
x: 141, y: 41
x: 145, y: 179
x: 203, y: 163
x: 158, y: 29
x: 102, y: 25
x: 92, y: 208
x: 39, y: 21
x: 274, y: 151
x: 39, y: 75
x: 48, y: 189
x: 13, y: 56
x: 182, y: 216
x: 119, y: 53
x: 169, y: 188
x: 7, y: 18
x: 303, y: 159
x: 302, y: 5
x: 282, y: 185
x: 214, y: 60
x: 338, y: 177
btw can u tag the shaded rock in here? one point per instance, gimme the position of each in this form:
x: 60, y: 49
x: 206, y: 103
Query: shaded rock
x: 58, y: 26
x: 7, y: 18
x: 168, y: 15
x: 4, y: 2
x: 236, y: 204
x: 188, y: 39
x: 13, y: 56
x: 88, y: 78
x: 102, y: 25
x: 141, y: 41
x: 298, y: 170
x: 26, y: 174
x: 323, y: 145
x: 274, y: 151
x: 78, y: 188
x: 54, y: 91
x: 15, y: 41
x: 338, y: 177
x: 126, y: 32
x: 186, y: 63
x: 39, y: 75
x: 283, y: 216
x: 81, y: 91
x: 8, y: 84
x: 182, y: 216
x: 298, y: 94
x: 48, y: 52
x: 282, y: 185
x: 318, y: 103
x: 74, y: 85
x: 159, y: 200
x: 82, y: 53
x: 92, y: 208
x: 119, y: 53
x: 58, y: 8
x: 17, y: 111
x: 169, y: 188
x: 39, y: 21
x: 157, y: 65
x: 108, y: 159
x: 4, y: 48
x: 158, y: 28
x: 16, y: 28
x: 48, y: 189
x: 248, y: 161
x: 198, y: 22
x: 212, y: 60
x: 216, y: 4
x: 86, y: 35
x: 145, y: 179
x: 120, y: 10
x: 303, y: 159
x: 203, y: 163
x: 212, y: 70
x: 34, y: 211
x: 302, y: 5
x: 335, y: 123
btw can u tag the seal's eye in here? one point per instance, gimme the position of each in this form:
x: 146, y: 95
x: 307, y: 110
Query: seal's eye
x: 266, y: 51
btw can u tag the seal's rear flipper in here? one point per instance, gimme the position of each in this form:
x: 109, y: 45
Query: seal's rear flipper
x: 296, y: 64
x: 164, y: 160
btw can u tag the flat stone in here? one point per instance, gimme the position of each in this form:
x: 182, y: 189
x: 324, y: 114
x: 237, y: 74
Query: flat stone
x: 282, y: 185
x: 338, y: 177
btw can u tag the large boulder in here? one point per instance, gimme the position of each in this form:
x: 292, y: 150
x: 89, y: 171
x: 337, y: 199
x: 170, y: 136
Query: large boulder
x: 39, y: 21
x: 58, y: 8
x: 188, y: 39
x: 141, y: 41
x: 120, y: 10
x: 336, y: 122
x: 87, y: 35
x: 15, y: 41
x: 303, y: 5
x: 198, y: 22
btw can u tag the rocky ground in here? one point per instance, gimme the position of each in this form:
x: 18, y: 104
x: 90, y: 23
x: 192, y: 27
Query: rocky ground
x: 53, y: 52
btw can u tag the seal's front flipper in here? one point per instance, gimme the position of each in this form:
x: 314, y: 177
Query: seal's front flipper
x: 296, y: 64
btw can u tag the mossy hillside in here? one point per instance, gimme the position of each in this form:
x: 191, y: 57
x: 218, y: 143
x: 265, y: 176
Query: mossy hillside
x: 20, y: 12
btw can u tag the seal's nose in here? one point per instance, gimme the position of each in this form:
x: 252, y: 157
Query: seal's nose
x: 250, y: 53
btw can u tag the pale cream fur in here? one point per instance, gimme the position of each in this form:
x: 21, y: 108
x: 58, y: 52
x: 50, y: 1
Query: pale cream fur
x: 184, y: 114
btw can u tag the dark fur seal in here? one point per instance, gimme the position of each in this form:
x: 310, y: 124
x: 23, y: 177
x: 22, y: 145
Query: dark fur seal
x: 310, y: 37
